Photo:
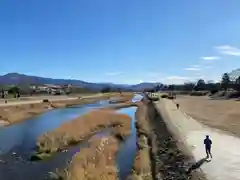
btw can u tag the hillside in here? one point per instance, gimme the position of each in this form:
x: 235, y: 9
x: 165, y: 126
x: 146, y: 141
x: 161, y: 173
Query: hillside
x: 16, y: 79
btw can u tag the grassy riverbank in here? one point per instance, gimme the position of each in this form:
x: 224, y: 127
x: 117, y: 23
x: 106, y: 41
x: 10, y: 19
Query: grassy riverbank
x: 142, y: 168
x: 94, y: 162
x: 14, y: 113
x: 78, y: 129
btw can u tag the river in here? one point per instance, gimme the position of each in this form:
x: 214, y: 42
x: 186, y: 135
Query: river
x: 20, y: 138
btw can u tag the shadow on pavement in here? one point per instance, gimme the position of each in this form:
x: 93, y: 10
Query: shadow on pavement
x: 197, y: 165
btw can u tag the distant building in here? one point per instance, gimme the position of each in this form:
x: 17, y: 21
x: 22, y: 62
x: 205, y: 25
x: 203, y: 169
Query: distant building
x: 48, y: 88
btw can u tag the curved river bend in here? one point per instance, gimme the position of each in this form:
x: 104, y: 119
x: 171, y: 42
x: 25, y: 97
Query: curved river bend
x: 20, y: 139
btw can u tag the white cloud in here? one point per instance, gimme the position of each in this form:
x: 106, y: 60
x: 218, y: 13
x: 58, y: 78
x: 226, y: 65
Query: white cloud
x: 114, y: 73
x: 210, y: 58
x: 191, y: 69
x: 228, y: 50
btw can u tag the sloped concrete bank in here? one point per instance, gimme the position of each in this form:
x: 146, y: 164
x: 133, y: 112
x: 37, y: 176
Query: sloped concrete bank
x: 170, y: 159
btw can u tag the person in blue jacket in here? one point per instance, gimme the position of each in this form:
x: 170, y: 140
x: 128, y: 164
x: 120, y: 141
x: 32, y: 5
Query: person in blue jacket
x: 208, y: 145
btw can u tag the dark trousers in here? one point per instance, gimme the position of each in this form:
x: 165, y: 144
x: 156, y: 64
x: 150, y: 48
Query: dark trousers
x: 208, y: 151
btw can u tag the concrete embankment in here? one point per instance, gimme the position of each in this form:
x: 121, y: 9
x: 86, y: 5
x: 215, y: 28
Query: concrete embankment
x: 171, y: 159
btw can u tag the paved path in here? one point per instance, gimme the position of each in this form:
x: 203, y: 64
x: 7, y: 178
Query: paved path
x: 12, y: 103
x: 225, y: 164
x: 39, y: 100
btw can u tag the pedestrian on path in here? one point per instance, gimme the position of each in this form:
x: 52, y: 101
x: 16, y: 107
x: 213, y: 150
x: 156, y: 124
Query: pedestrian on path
x: 177, y: 106
x: 208, y: 145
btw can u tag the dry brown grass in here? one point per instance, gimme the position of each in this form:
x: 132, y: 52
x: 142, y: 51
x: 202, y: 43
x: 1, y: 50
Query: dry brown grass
x: 97, y: 162
x: 134, y: 176
x: 142, y: 164
x: 78, y: 129
x: 121, y: 105
x: 16, y: 113
x: 121, y: 98
x: 222, y: 114
x: 141, y: 123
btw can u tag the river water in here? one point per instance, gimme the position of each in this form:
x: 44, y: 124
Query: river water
x: 20, y: 139
x: 127, y: 150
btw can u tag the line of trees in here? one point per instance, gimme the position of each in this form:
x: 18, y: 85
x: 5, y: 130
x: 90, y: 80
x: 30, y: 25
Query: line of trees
x: 201, y: 85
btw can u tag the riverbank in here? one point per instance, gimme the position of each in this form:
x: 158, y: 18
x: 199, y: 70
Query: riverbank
x: 100, y: 159
x: 142, y: 165
x: 161, y: 154
x: 220, y: 114
x: 14, y: 113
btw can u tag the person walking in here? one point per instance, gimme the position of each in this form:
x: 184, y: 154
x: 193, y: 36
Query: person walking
x: 177, y: 106
x: 208, y: 145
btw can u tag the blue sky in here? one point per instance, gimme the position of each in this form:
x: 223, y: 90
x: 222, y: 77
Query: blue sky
x: 120, y: 41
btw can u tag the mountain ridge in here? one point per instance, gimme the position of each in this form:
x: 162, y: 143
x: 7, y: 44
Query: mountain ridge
x: 17, y: 78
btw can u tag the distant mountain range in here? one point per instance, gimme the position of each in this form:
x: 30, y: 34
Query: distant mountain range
x: 16, y: 79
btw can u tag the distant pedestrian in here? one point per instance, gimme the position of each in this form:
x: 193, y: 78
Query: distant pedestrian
x: 177, y: 106
x: 208, y: 145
